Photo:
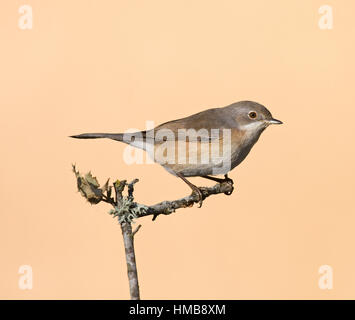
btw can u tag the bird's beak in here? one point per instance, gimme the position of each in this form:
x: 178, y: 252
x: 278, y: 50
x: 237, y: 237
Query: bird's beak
x: 274, y: 121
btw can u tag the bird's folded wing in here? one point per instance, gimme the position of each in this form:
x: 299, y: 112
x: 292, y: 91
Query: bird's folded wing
x: 203, y: 126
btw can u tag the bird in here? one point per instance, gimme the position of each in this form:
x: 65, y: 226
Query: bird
x: 191, y: 146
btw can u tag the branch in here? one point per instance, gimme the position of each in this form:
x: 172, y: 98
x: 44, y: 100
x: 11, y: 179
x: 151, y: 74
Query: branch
x: 132, y: 273
x: 168, y: 207
x: 136, y: 230
x: 125, y: 209
x: 127, y: 234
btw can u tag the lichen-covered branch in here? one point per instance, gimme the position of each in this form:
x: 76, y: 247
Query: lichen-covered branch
x: 168, y: 207
x: 90, y: 188
x: 127, y: 234
x: 126, y: 210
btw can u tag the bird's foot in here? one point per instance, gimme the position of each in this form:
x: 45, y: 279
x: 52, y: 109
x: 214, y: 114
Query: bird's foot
x: 230, y: 181
x: 196, y: 190
x: 219, y: 180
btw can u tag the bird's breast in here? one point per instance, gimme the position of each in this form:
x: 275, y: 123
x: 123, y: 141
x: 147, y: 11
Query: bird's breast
x: 198, y: 158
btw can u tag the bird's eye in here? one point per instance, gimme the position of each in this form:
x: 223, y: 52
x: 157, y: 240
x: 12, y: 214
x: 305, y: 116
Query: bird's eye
x: 252, y: 115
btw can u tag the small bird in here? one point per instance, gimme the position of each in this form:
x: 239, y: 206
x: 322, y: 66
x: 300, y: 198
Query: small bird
x: 191, y: 146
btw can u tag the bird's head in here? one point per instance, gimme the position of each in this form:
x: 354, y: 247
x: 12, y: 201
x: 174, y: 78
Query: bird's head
x: 251, y: 116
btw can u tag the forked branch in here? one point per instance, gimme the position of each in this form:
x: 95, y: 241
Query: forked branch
x: 126, y: 210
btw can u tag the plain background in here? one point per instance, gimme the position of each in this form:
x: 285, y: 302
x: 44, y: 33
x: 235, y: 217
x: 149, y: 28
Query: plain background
x: 109, y: 66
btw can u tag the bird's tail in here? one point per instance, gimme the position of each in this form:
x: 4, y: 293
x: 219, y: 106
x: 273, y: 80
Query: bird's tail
x: 113, y: 136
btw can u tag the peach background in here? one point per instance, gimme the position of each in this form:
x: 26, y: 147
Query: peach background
x: 112, y: 65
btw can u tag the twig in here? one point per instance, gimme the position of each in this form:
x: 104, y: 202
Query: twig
x: 131, y: 188
x: 127, y: 234
x: 136, y: 230
x: 125, y: 208
x: 168, y: 207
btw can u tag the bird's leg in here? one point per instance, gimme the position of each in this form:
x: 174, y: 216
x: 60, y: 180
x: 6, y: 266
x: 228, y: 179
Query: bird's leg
x: 193, y: 187
x: 219, y: 180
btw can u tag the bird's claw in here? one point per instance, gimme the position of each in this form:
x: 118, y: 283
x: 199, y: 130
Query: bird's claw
x: 230, y: 181
x: 199, y: 194
x: 228, y: 193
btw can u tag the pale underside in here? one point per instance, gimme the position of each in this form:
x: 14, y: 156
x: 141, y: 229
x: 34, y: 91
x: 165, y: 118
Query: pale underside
x: 212, y: 154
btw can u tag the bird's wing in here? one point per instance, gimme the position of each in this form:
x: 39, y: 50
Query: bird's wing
x: 204, y: 126
x: 207, y: 125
